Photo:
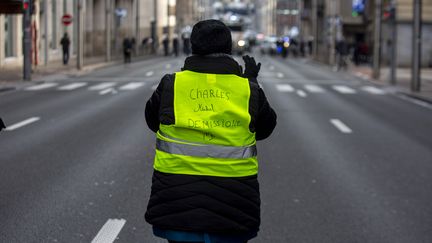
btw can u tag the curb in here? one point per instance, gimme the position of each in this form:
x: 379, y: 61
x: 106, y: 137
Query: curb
x: 415, y: 96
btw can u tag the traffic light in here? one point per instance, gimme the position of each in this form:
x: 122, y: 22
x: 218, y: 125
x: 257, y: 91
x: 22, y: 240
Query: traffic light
x: 358, y: 7
x: 389, y: 12
x: 29, y: 5
x: 26, y: 5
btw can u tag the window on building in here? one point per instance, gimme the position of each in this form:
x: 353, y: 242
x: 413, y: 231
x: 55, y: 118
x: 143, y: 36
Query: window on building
x: 8, y: 30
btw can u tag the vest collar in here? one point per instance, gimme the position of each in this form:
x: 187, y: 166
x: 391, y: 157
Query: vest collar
x: 217, y: 63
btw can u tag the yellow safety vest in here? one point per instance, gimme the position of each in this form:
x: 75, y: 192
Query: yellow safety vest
x: 211, y: 133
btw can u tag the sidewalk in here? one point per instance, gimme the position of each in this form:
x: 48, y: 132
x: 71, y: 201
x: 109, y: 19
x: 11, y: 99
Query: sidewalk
x: 54, y: 69
x: 403, y: 80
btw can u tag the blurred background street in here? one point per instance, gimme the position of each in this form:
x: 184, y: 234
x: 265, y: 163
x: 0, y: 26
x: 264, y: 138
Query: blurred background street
x: 350, y: 159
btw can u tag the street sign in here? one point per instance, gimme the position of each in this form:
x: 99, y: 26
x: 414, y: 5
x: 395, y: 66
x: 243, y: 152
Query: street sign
x: 121, y: 12
x: 66, y: 19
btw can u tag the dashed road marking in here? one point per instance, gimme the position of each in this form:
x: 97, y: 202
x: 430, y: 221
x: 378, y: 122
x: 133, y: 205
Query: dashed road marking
x: 132, y: 86
x: 280, y: 75
x: 41, y: 86
x: 373, y: 90
x: 271, y: 68
x: 344, y: 89
x: 107, y: 91
x: 341, y: 126
x: 284, y: 88
x: 72, y: 86
x: 109, y: 231
x: 22, y: 123
x: 314, y: 88
x: 301, y: 93
x: 149, y: 73
x: 102, y: 86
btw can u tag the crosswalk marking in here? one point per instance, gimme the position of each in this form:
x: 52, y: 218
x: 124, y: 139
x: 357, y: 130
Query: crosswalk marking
x: 22, y: 123
x: 284, y: 88
x: 314, y: 88
x: 109, y: 231
x: 150, y: 73
x: 301, y: 93
x: 373, y: 90
x: 299, y: 89
x: 341, y: 126
x: 280, y: 75
x: 41, y: 86
x: 132, y: 86
x: 72, y: 86
x: 102, y: 86
x: 344, y: 89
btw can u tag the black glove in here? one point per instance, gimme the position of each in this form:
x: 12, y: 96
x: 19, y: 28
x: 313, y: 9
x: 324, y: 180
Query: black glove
x: 251, y: 67
x: 2, y: 125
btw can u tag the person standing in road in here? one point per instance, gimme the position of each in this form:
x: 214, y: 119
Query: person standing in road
x: 65, y: 43
x: 127, y: 50
x: 175, y: 45
x: 207, y: 119
x: 186, y: 44
x: 165, y: 43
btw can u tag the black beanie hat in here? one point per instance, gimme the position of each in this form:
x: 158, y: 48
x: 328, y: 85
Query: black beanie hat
x: 211, y: 36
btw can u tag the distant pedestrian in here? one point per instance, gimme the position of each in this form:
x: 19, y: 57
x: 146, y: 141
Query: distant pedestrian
x: 127, y: 50
x: 175, y: 44
x: 65, y: 43
x: 342, y: 51
x: 165, y: 43
x: 186, y: 44
x: 207, y: 119
x: 2, y: 125
x: 133, y: 44
x: 144, y: 45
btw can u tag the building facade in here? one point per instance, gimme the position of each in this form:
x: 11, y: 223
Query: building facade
x: 404, y: 27
x: 105, y: 23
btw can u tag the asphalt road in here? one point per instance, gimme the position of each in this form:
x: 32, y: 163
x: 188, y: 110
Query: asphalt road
x: 348, y: 161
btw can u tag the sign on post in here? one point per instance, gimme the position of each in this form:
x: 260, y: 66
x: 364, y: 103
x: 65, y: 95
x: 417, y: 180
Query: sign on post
x: 66, y: 19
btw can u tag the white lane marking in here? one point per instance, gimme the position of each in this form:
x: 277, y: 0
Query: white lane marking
x: 314, y: 88
x: 102, y: 86
x: 301, y: 93
x: 271, y: 67
x: 41, y: 86
x: 72, y: 86
x: 109, y: 90
x: 22, y: 123
x: 132, y: 86
x: 109, y: 231
x: 344, y: 89
x: 373, y: 90
x: 415, y: 101
x: 341, y: 126
x: 150, y: 73
x: 280, y: 75
x: 168, y: 66
x: 284, y: 88
x: 154, y: 87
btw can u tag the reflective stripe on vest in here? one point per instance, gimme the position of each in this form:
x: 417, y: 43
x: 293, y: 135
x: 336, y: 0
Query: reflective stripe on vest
x: 207, y: 150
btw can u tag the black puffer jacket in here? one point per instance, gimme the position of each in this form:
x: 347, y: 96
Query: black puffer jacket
x: 206, y: 203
